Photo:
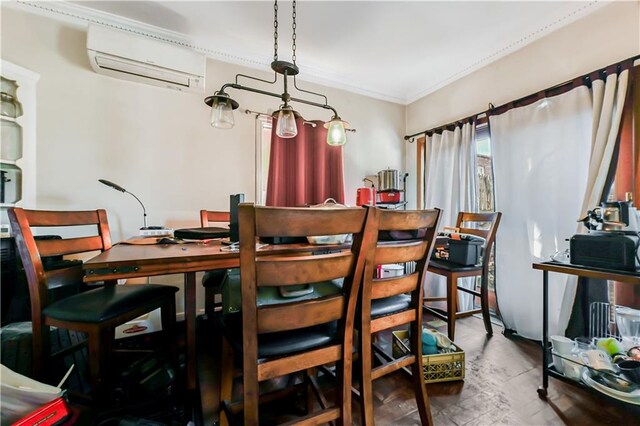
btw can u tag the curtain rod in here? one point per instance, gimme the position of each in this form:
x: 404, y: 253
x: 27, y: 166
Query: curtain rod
x: 558, y: 89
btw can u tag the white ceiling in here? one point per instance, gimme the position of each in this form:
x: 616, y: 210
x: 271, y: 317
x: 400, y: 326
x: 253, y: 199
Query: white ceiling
x: 397, y: 51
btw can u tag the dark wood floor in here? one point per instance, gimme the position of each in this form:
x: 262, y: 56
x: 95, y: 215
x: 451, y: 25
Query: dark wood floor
x: 502, y: 375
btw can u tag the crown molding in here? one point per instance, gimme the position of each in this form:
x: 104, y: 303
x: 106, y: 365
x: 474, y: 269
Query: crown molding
x: 81, y: 16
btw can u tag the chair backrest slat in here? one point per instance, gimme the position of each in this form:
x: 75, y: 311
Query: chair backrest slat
x: 401, y: 252
x: 473, y: 231
x: 300, y: 315
x: 290, y: 270
x: 62, y: 277
x: 302, y: 222
x: 207, y: 216
x: 385, y: 287
x: 401, y: 220
x: 57, y: 218
x: 69, y: 246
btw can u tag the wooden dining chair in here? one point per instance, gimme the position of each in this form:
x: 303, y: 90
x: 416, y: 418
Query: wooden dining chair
x: 484, y: 225
x: 212, y: 280
x: 279, y: 338
x: 391, y: 302
x: 96, y: 312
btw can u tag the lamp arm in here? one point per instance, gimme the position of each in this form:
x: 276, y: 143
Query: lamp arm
x: 144, y: 211
x: 275, y: 95
x: 295, y: 84
x: 275, y: 78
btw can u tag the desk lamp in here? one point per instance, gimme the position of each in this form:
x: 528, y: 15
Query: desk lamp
x: 145, y: 230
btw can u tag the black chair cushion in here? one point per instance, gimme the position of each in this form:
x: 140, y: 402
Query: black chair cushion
x: 106, y: 302
x: 389, y: 305
x: 453, y: 267
x: 213, y: 278
x: 281, y: 343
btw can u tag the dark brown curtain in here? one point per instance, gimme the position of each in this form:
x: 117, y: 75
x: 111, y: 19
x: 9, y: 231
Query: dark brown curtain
x: 304, y: 170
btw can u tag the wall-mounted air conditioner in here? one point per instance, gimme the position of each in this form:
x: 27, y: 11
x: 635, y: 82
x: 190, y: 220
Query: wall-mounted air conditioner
x: 140, y: 58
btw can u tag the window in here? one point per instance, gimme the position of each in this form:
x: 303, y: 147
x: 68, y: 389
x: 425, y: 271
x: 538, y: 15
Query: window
x: 485, y: 169
x: 263, y: 153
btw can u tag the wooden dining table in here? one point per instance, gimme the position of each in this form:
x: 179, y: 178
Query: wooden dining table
x: 123, y: 261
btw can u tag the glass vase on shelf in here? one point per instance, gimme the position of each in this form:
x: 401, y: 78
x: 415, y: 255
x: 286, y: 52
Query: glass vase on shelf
x: 9, y: 105
x: 11, y: 137
x: 10, y: 183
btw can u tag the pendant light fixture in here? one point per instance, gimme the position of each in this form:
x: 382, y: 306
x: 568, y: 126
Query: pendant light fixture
x: 222, y: 105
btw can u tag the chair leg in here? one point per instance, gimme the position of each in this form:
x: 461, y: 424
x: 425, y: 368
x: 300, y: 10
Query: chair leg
x: 343, y: 391
x: 226, y: 379
x: 209, y: 301
x: 452, y: 305
x: 41, y: 346
x: 251, y: 390
x: 309, y: 394
x: 484, y: 303
x: 168, y: 318
x: 100, y: 342
x: 366, y: 383
x: 417, y: 376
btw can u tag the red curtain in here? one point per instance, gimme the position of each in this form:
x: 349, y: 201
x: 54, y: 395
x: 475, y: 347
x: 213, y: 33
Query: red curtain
x: 304, y: 170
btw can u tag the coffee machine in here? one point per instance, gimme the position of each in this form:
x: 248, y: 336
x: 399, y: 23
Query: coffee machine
x: 608, y: 244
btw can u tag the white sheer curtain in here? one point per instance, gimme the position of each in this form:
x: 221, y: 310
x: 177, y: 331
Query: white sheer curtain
x: 541, y: 161
x: 450, y: 184
x: 608, y: 101
x: 608, y: 98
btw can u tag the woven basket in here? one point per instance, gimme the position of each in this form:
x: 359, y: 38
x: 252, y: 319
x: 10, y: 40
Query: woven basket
x: 442, y: 367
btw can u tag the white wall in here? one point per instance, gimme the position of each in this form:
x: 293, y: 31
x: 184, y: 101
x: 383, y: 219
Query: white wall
x: 156, y: 142
x: 606, y: 36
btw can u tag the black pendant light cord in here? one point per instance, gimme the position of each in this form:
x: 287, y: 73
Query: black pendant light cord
x: 238, y: 86
x: 275, y: 30
x: 280, y: 67
x: 293, y: 35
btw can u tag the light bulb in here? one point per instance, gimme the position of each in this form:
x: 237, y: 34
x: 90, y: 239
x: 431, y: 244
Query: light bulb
x: 222, y: 115
x: 286, y: 126
x: 336, y: 134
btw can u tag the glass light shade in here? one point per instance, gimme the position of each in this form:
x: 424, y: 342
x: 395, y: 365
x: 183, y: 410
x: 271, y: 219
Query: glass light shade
x: 222, y: 115
x: 286, y: 126
x: 336, y: 133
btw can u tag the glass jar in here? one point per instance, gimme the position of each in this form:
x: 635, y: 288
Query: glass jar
x: 9, y: 105
x: 11, y: 137
x: 10, y: 183
x: 583, y: 344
